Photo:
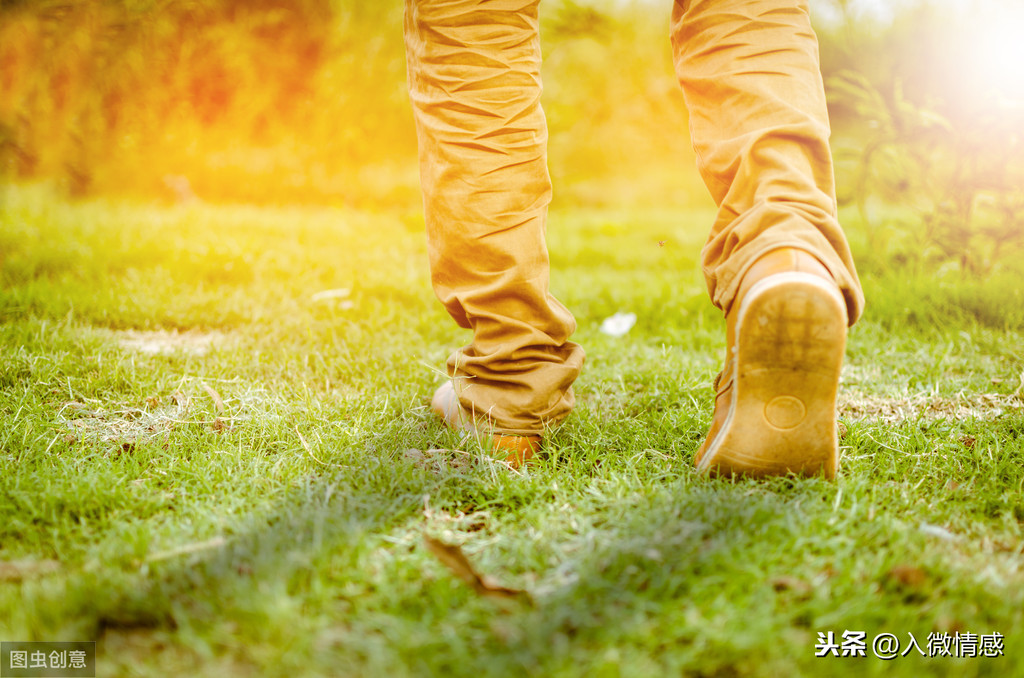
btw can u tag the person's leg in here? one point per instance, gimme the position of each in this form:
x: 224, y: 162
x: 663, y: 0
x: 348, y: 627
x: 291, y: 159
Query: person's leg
x: 751, y: 77
x: 474, y: 82
x: 750, y: 74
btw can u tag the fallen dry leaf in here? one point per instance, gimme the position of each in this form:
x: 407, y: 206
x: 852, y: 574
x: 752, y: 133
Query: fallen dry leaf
x: 948, y: 624
x: 217, y: 402
x: 452, y: 557
x: 17, y: 570
x: 797, y: 586
x: 908, y: 576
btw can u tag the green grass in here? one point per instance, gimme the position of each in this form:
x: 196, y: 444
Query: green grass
x: 245, y: 504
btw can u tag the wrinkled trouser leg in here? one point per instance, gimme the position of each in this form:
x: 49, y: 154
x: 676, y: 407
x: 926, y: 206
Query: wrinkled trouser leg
x: 752, y: 81
x: 474, y: 82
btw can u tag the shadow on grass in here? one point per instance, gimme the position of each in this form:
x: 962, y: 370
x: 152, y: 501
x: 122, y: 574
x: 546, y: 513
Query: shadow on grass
x: 669, y: 580
x: 652, y: 577
x: 689, y: 576
x: 327, y: 514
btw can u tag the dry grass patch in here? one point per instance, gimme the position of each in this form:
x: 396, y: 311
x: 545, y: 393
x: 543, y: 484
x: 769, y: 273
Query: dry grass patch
x: 126, y: 425
x: 194, y: 403
x: 858, y: 406
x: 167, y: 342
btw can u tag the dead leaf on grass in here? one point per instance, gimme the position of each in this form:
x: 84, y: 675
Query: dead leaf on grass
x: 452, y: 557
x: 794, y: 584
x: 947, y: 624
x: 217, y: 402
x: 908, y: 576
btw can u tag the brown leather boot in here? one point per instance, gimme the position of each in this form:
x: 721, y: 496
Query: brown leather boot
x: 515, y: 449
x: 775, y: 407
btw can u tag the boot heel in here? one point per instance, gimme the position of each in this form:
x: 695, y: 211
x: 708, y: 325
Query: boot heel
x: 791, y: 330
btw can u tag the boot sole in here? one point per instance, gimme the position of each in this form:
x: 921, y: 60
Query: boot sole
x: 791, y: 336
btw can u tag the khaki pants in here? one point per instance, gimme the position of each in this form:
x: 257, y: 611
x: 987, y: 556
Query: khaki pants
x: 749, y: 71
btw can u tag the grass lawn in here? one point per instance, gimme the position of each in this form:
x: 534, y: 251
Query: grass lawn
x: 216, y: 459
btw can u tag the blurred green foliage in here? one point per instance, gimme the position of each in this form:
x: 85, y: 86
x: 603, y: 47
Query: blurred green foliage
x: 928, y: 135
x: 282, y: 101
x: 305, y: 100
x: 960, y: 187
x: 229, y: 99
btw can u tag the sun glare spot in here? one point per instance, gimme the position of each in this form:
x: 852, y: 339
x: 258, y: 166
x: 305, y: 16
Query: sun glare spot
x: 995, y: 59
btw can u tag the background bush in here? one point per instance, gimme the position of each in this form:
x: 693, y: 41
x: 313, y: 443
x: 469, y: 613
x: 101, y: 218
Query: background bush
x: 305, y: 100
x: 283, y: 101
x: 928, y: 119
